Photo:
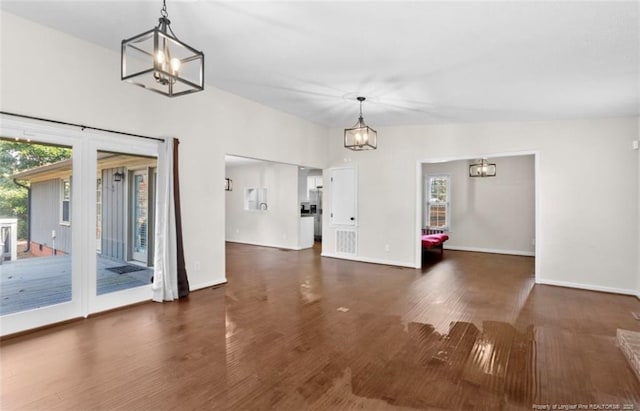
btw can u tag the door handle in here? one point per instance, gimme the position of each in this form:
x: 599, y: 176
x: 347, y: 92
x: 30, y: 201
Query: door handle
x: 352, y: 218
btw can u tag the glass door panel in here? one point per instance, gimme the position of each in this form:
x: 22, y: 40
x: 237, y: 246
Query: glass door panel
x: 124, y: 222
x: 38, y: 265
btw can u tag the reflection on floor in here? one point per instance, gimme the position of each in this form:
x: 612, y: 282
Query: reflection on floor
x: 42, y: 281
x: 467, y: 332
x: 485, y: 369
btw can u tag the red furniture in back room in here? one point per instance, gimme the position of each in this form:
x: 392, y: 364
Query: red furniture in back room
x: 433, y: 238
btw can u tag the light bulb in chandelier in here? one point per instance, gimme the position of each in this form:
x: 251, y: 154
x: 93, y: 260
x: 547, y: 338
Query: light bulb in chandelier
x: 175, y: 66
x: 162, y: 67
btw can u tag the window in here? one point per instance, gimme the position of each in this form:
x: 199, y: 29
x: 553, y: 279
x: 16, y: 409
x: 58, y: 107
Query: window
x: 65, y: 196
x: 437, y: 202
x: 313, y: 182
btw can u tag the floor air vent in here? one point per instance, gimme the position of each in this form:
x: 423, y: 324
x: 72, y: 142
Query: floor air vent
x: 346, y: 242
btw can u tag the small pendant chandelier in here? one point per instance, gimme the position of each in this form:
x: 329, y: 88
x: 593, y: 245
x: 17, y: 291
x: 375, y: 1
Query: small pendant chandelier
x: 483, y: 168
x: 158, y: 61
x: 360, y: 136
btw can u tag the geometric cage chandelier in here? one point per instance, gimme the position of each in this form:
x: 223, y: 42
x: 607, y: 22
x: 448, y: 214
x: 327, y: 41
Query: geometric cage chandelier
x: 360, y: 136
x: 482, y: 168
x: 158, y: 61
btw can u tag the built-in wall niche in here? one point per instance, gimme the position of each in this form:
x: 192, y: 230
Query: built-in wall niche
x: 255, y: 199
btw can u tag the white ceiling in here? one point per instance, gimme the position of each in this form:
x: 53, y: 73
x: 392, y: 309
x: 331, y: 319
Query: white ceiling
x: 416, y: 62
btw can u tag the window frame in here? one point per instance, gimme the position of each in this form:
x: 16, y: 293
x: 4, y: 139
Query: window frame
x: 428, y: 203
x: 65, y: 181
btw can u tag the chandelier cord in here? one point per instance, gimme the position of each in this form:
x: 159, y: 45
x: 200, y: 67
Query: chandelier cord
x: 163, y: 11
x: 165, y: 15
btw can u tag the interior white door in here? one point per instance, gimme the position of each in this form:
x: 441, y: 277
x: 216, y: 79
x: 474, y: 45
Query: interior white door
x: 343, y: 196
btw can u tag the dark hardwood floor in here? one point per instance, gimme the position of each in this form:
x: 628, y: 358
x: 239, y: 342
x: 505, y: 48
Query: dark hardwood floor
x: 294, y: 331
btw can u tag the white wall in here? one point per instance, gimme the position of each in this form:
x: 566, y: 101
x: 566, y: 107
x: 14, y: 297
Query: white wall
x: 278, y: 225
x: 49, y: 74
x: 581, y: 163
x: 495, y: 214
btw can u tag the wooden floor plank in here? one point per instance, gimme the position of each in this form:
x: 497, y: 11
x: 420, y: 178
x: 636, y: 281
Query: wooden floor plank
x: 470, y: 331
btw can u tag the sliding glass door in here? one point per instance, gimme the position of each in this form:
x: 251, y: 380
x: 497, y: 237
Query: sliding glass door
x: 76, y: 223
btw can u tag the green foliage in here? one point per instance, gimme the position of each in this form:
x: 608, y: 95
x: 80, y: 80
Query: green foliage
x: 16, y: 157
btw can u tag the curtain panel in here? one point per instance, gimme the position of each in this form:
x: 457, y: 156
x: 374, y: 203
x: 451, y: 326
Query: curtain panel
x: 170, y: 280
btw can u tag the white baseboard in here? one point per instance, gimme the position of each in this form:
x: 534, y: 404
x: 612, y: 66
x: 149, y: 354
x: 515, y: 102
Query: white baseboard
x: 489, y: 250
x: 286, y: 247
x: 589, y: 287
x: 207, y: 284
x: 368, y: 260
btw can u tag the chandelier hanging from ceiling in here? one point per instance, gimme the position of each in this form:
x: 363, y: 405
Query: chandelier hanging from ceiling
x: 158, y: 61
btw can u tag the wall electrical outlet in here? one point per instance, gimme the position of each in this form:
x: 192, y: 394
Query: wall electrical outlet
x: 635, y: 144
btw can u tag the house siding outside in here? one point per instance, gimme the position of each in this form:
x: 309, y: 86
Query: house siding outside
x: 114, y: 232
x: 114, y: 213
x: 45, y: 218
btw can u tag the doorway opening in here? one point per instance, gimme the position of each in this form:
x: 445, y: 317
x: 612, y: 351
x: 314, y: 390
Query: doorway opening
x: 272, y: 204
x: 496, y: 214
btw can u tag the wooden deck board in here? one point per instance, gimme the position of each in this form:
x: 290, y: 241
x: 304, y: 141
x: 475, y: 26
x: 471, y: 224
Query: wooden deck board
x: 38, y: 282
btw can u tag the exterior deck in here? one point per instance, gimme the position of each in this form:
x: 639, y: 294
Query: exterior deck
x: 31, y: 283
